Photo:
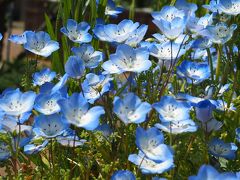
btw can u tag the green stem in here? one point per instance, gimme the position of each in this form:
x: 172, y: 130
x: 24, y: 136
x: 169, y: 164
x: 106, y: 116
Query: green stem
x: 218, y: 63
x: 132, y: 9
x: 210, y: 63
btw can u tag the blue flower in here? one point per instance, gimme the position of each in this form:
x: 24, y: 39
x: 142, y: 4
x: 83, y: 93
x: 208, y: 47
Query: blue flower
x: 151, y: 143
x: 223, y: 89
x: 204, y: 110
x: 137, y: 36
x: 70, y: 141
x: 123, y: 175
x: 219, y: 148
x: 131, y: 109
x: 172, y: 110
x: 207, y: 172
x: 219, y: 33
x: 11, y: 124
x: 76, y: 110
x: 170, y: 21
x: 197, y: 24
x: 104, y: 129
x: 178, y: 127
x: 34, y: 149
x: 193, y: 72
x: 1, y: 36
x: 189, y: 8
x: 95, y: 86
x: 202, y: 43
x: 61, y: 84
x: 112, y: 10
x: 40, y: 43
x: 238, y: 134
x: 75, y: 67
x: 47, y: 103
x: 230, y: 7
x: 115, y: 33
x: 221, y: 105
x: 14, y: 102
x: 212, y: 6
x: 149, y: 166
x: 163, y: 52
x: 128, y: 59
x: 19, y: 39
x: 4, y: 151
x: 43, y: 76
x: 90, y: 57
x: 211, y: 125
x: 77, y: 32
x: 49, y: 126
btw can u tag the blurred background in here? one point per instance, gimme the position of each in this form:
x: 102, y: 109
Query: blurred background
x: 16, y: 16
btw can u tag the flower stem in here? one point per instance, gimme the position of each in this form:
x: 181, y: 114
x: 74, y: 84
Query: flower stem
x: 218, y: 63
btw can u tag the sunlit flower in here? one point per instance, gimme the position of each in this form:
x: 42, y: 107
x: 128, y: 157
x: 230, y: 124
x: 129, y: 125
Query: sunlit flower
x: 40, y: 43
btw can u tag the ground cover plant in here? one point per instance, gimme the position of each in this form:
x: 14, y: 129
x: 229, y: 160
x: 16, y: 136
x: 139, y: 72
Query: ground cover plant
x: 116, y: 104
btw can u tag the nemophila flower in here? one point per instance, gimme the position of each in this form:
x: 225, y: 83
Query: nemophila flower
x: 151, y: 143
x: 77, y: 112
x: 43, y: 76
x: 137, y: 36
x: 198, y: 54
x: 19, y: 39
x: 163, y: 51
x: 149, y: 166
x: 5, y: 152
x: 75, y: 67
x: 223, y: 89
x: 211, y: 125
x: 34, y: 149
x: 170, y: 21
x: 204, y: 110
x: 70, y: 141
x: 94, y: 86
x: 90, y: 57
x: 219, y: 33
x: 123, y: 175
x: 207, y: 172
x: 230, y: 7
x: 181, y: 39
x: 172, y: 110
x: 196, y: 24
x: 202, y: 43
x: 61, y: 84
x: 77, y: 32
x: 221, y: 105
x: 127, y: 59
x: 112, y: 10
x: 40, y: 43
x: 238, y: 134
x: 47, y: 87
x: 47, y: 103
x: 178, y: 127
x: 191, y: 99
x: 212, y: 6
x: 193, y: 72
x: 15, y: 102
x: 130, y: 109
x: 10, y: 124
x: 115, y: 33
x: 219, y: 148
x: 1, y: 36
x: 105, y: 130
x: 50, y: 126
x: 189, y: 8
